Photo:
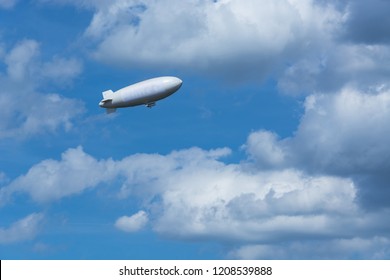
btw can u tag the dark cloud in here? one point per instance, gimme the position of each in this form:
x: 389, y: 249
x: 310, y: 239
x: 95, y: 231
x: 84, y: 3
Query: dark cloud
x: 374, y: 190
x: 368, y: 22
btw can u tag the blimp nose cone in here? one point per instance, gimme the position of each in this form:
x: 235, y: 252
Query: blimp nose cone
x: 178, y: 83
x: 173, y: 83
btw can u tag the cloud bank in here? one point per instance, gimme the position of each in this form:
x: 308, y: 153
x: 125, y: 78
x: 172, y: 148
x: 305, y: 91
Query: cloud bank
x: 264, y: 206
x: 305, y: 45
x: 231, y: 39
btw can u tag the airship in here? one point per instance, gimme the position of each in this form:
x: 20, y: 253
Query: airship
x: 146, y: 93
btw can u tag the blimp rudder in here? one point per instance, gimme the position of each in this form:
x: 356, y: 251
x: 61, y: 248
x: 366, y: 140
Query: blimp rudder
x: 107, y: 94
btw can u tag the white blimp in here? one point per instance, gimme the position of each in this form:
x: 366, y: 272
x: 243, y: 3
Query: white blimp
x: 143, y: 93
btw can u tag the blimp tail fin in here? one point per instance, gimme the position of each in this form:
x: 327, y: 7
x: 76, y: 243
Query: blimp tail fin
x: 108, y: 94
x: 107, y: 98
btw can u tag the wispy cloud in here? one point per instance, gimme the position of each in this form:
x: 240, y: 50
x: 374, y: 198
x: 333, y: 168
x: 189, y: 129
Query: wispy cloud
x: 21, y: 230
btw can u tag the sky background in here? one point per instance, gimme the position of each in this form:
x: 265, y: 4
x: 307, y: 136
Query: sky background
x: 275, y: 147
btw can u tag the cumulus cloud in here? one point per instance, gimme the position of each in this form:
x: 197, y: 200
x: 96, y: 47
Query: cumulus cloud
x: 192, y: 194
x: 336, y: 67
x: 352, y: 55
x: 77, y: 171
x: 344, y: 134
x: 212, y: 36
x: 22, y: 230
x: 26, y: 111
x: 328, y: 184
x: 133, y: 223
x: 263, y: 148
x: 305, y: 45
x: 50, y: 180
x: 228, y: 204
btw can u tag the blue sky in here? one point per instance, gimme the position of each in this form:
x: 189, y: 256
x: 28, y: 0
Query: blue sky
x: 275, y: 147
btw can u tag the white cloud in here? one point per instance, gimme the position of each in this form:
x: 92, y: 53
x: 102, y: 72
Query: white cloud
x: 191, y: 194
x: 212, y: 36
x: 61, y: 70
x: 344, y: 134
x: 22, y: 230
x: 263, y: 147
x: 24, y: 64
x: 350, y: 127
x: 26, y: 111
x: 133, y: 223
x: 51, y: 180
x: 230, y: 204
x: 306, y: 45
x: 335, y: 67
x: 77, y: 171
x: 21, y: 59
x: 36, y: 114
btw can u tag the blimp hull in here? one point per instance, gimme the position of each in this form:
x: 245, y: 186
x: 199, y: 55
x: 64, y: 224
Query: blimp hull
x: 142, y: 93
